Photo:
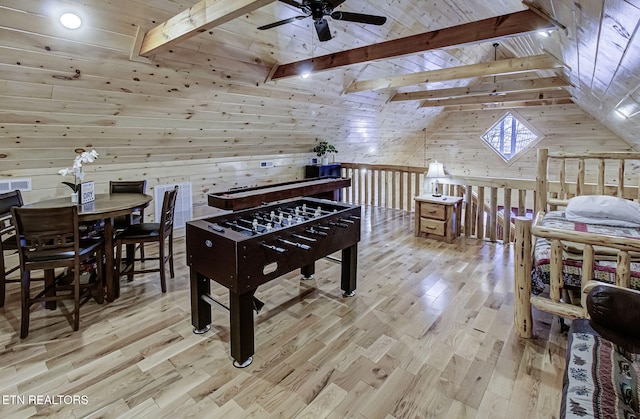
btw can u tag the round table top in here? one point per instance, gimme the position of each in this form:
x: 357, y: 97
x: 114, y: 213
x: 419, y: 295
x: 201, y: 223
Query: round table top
x: 105, y: 205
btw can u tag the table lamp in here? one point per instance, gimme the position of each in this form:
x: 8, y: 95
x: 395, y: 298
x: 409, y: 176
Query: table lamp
x: 435, y: 172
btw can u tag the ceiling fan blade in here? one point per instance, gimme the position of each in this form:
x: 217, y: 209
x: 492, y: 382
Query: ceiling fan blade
x: 292, y: 3
x: 322, y: 27
x: 281, y: 22
x: 336, y: 3
x: 359, y: 18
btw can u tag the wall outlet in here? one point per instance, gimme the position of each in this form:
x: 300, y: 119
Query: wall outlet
x: 265, y: 164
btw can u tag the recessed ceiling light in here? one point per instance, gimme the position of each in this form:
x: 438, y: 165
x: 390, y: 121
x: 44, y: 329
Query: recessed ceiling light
x: 70, y: 20
x: 305, y: 75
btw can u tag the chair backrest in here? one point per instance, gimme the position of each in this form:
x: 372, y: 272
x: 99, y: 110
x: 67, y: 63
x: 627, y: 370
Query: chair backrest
x: 168, y: 211
x: 8, y: 200
x: 44, y: 232
x: 128, y: 186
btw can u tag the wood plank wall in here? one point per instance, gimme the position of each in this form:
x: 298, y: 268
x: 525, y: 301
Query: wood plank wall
x: 201, y: 111
x: 455, y: 141
x: 205, y: 175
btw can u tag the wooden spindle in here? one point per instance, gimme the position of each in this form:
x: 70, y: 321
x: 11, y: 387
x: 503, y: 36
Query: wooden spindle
x: 493, y: 216
x: 541, y: 179
x: 580, y: 181
x: 621, y: 179
x: 468, y: 211
x: 506, y: 220
x: 480, y: 213
x: 623, y: 269
x: 555, y: 267
x: 522, y: 274
x: 601, y: 165
x: 563, y: 180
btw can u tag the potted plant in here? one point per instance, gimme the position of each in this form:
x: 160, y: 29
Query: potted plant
x: 76, y: 171
x: 322, y: 149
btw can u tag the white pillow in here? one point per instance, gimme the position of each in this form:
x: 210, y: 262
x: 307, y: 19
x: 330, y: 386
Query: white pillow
x: 603, y: 209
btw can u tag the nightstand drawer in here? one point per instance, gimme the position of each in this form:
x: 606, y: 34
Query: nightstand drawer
x: 430, y: 226
x: 433, y: 211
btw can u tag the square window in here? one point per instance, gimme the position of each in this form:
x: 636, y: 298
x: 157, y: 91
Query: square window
x: 509, y: 136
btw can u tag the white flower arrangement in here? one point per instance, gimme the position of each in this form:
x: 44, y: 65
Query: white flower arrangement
x: 76, y: 169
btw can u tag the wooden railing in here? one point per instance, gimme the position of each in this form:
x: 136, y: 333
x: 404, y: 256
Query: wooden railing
x: 397, y: 186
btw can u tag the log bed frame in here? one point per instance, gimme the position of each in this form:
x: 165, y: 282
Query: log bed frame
x: 553, y: 193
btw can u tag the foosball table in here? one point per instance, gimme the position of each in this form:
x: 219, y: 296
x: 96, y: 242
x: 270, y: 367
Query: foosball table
x: 245, y: 249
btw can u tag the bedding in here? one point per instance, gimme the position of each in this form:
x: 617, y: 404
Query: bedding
x: 603, y: 209
x: 605, y: 265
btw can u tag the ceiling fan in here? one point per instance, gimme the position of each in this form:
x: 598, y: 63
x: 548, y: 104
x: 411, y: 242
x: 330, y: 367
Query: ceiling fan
x: 318, y: 9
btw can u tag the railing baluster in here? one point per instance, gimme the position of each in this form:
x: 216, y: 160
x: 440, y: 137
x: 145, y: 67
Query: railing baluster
x: 468, y: 211
x: 493, y: 215
x: 506, y: 218
x: 480, y: 213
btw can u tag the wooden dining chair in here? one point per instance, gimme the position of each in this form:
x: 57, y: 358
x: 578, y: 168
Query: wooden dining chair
x: 136, y: 217
x: 8, y: 242
x: 160, y: 233
x: 49, y: 238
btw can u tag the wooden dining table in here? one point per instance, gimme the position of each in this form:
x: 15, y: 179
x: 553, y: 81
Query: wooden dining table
x: 105, y: 207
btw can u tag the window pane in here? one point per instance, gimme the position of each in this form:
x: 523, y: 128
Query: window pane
x: 508, y: 136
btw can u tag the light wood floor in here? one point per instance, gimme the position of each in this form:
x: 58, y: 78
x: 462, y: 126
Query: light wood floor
x: 428, y: 334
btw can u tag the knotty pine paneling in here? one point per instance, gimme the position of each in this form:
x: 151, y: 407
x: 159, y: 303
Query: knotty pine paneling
x: 457, y: 143
x: 202, y: 103
x: 206, y: 176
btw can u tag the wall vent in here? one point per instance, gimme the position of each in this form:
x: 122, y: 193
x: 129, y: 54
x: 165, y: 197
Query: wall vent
x: 13, y: 184
x: 184, y: 204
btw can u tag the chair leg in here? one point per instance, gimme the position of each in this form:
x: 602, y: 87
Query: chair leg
x: 171, y: 257
x: 3, y: 279
x: 130, y: 255
x: 161, y: 260
x: 76, y: 298
x: 49, y: 283
x: 100, y: 278
x: 141, y: 252
x: 26, y: 305
x: 118, y: 262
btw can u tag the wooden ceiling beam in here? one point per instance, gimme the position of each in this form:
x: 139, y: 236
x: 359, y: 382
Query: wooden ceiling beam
x: 509, y: 97
x: 492, y: 68
x: 548, y: 83
x: 507, y: 105
x: 200, y: 17
x: 498, y: 27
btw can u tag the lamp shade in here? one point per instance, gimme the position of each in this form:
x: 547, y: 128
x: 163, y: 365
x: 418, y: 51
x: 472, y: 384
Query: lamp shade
x: 436, y: 170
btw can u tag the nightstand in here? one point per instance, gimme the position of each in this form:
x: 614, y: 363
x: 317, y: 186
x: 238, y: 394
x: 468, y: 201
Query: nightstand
x: 438, y: 217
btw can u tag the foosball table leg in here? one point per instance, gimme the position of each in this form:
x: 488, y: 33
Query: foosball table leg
x: 200, y: 309
x: 349, y: 270
x: 308, y: 271
x: 241, y: 325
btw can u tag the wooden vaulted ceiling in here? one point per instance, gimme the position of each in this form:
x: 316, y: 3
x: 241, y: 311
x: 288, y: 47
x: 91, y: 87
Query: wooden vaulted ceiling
x: 189, y: 78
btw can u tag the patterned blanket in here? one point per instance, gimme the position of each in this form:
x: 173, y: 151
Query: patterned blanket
x: 600, y: 381
x: 605, y: 266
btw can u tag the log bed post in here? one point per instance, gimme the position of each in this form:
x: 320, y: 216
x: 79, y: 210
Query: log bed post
x: 541, y: 180
x: 522, y: 278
